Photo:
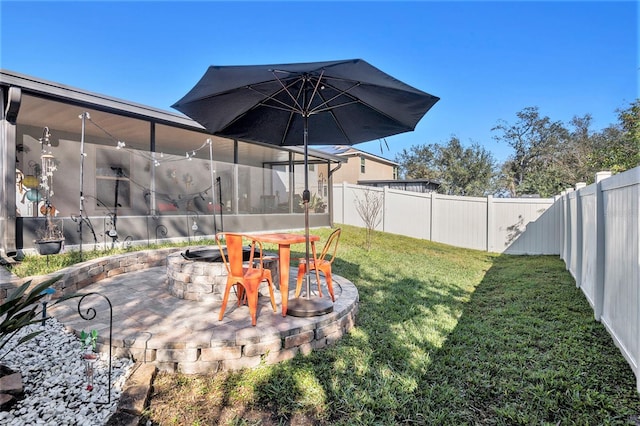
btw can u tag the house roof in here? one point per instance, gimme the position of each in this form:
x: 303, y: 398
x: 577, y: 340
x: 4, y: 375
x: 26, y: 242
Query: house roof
x: 58, y: 104
x: 381, y: 181
x: 350, y: 151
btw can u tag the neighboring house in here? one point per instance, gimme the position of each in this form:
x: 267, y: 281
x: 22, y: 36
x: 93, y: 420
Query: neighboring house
x: 361, y: 166
x: 413, y: 185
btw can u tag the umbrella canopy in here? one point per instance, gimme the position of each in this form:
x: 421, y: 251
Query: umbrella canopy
x: 339, y: 102
x: 317, y: 103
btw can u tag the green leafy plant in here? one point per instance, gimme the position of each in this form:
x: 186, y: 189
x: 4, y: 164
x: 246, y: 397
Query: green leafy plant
x: 89, y: 340
x: 20, y: 309
x: 316, y: 203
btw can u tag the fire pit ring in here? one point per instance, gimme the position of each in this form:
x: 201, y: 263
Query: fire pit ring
x: 199, y: 273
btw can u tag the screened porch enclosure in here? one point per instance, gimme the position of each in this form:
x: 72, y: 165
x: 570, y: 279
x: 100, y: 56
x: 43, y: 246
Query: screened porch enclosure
x: 145, y: 181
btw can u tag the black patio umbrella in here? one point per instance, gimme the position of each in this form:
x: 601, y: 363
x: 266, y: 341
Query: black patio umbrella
x: 318, y: 103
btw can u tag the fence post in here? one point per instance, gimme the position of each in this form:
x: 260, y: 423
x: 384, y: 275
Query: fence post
x: 598, y: 294
x: 567, y: 229
x: 579, y: 234
x: 491, y: 232
x: 432, y: 206
x: 344, y: 201
x: 385, y: 194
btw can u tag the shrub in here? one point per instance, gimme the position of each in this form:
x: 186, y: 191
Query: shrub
x: 21, y: 309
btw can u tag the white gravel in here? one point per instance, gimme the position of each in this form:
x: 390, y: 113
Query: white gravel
x: 54, y: 380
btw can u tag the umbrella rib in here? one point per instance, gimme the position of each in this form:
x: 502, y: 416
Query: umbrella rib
x: 271, y: 97
x: 324, y: 106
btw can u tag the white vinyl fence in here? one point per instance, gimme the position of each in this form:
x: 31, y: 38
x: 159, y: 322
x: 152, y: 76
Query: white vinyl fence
x: 601, y: 248
x: 594, y: 229
x: 492, y: 224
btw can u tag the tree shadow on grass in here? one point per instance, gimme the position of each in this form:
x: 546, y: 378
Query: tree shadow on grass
x: 372, y: 373
x: 522, y: 349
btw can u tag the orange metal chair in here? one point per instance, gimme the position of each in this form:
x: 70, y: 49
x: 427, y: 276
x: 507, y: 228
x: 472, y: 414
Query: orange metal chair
x: 321, y: 263
x: 246, y: 276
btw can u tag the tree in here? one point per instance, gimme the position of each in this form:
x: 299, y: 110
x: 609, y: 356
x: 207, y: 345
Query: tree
x: 532, y: 169
x: 461, y: 171
x: 418, y: 162
x: 617, y: 148
x: 369, y: 208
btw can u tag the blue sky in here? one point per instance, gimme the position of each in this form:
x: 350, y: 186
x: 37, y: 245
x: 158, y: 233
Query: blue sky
x: 485, y: 60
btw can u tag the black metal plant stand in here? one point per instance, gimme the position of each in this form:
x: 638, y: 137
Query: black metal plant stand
x: 221, y: 205
x: 161, y: 231
x: 89, y: 315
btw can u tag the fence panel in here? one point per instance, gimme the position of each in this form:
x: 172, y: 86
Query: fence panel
x: 407, y: 213
x: 572, y: 229
x: 524, y: 226
x: 621, y: 304
x: 589, y: 260
x: 460, y: 221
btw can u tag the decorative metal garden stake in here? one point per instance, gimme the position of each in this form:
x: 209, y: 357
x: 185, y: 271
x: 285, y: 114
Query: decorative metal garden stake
x: 89, y: 362
x: 89, y: 357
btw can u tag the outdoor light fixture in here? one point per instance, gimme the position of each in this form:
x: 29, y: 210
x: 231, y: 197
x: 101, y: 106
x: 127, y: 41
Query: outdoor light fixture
x: 48, y: 293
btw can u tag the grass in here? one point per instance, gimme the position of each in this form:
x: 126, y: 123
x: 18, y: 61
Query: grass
x: 35, y: 264
x: 443, y: 336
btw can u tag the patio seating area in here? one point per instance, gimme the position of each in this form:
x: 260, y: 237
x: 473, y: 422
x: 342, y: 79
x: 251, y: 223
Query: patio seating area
x: 153, y: 326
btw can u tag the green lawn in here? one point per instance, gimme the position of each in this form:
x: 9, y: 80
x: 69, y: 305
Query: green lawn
x: 443, y: 336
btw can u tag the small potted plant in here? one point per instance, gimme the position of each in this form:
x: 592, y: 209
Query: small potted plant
x: 316, y: 204
x: 89, y: 343
x: 50, y: 236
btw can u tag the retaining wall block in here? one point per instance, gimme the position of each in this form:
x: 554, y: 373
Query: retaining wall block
x: 199, y: 367
x: 115, y: 271
x: 181, y: 276
x: 240, y: 363
x: 96, y: 270
x: 136, y: 267
x: 281, y: 355
x: 306, y: 348
x: 262, y: 348
x: 323, y: 332
x: 298, y: 339
x: 220, y: 353
x: 334, y: 337
x: 202, y: 282
x: 177, y: 355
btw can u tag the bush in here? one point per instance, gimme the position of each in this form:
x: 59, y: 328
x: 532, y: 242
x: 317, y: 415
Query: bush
x: 20, y: 310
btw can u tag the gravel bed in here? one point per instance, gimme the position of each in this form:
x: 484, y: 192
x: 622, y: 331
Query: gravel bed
x: 54, y: 380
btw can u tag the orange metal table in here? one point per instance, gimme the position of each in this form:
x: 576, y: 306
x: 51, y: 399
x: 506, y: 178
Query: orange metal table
x: 284, y: 241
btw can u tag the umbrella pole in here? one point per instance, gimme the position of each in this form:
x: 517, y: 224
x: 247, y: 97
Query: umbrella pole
x: 306, y: 197
x: 308, y: 307
x: 213, y: 186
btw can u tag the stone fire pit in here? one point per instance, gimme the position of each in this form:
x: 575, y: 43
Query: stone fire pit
x: 199, y: 273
